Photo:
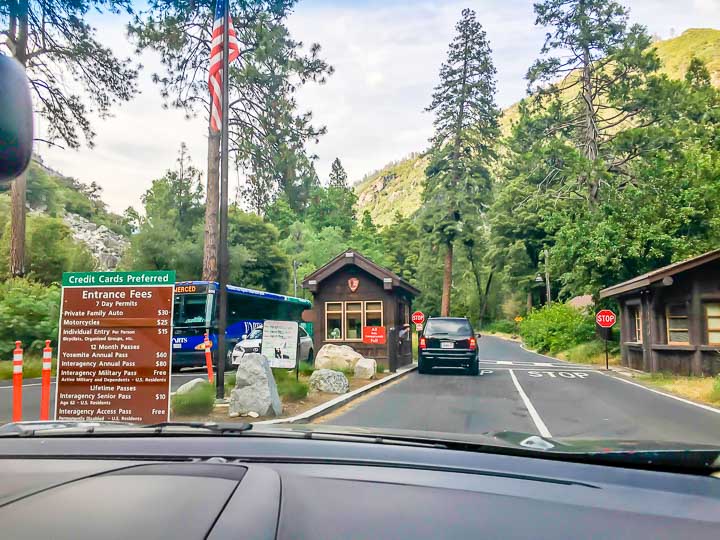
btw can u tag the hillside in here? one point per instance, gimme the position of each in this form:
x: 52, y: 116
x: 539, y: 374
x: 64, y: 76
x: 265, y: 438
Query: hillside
x: 398, y: 186
x: 76, y: 206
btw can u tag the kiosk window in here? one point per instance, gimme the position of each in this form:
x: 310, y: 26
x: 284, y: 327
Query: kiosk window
x: 373, y: 313
x: 333, y: 321
x: 353, y: 321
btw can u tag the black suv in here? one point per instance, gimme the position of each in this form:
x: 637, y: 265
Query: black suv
x: 448, y: 342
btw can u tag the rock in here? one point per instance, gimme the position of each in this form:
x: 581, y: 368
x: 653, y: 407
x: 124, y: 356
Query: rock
x: 106, y: 247
x: 188, y: 386
x: 365, y: 368
x: 253, y: 414
x: 233, y: 414
x: 336, y: 357
x: 327, y: 380
x: 255, y: 390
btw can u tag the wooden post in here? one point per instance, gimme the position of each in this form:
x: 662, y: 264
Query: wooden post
x: 646, y: 342
x: 695, y: 329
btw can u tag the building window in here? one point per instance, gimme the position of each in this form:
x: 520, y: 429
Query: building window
x: 333, y: 321
x: 677, y: 325
x: 373, y: 313
x: 635, y: 324
x: 712, y: 323
x: 353, y: 321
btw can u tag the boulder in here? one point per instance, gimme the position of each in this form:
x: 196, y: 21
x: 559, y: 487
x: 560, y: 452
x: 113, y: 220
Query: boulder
x: 255, y: 390
x: 327, y: 380
x: 365, y: 368
x: 336, y: 357
x: 188, y: 386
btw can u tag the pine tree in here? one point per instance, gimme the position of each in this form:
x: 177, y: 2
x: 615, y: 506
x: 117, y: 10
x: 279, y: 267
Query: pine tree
x: 590, y: 65
x: 457, y: 187
x: 53, y: 42
x: 338, y: 176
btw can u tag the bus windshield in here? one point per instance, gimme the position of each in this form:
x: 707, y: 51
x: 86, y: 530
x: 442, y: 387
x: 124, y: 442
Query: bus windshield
x: 190, y: 310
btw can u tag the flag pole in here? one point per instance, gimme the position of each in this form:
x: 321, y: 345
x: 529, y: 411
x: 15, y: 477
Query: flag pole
x: 223, y: 219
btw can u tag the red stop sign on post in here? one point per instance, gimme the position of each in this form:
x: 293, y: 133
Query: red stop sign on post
x: 605, y: 318
x: 418, y: 317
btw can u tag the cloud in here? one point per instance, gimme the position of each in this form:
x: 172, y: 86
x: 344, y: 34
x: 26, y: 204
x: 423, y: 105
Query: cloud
x: 386, y: 55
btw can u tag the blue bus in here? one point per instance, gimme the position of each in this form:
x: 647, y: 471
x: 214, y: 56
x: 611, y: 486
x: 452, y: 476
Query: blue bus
x: 195, y: 312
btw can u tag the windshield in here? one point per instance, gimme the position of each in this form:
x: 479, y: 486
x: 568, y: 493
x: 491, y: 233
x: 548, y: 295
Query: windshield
x: 190, y: 310
x: 448, y: 327
x: 505, y: 215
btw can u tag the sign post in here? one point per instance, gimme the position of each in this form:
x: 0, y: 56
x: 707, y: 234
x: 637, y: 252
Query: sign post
x: 114, y: 343
x: 605, y: 319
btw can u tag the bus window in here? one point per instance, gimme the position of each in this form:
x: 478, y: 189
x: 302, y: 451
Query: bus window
x: 190, y: 310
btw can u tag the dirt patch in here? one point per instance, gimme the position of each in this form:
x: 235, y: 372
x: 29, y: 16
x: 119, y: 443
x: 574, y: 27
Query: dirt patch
x: 290, y: 408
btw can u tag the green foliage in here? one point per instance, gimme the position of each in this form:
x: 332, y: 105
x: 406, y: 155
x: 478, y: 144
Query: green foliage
x: 29, y: 312
x: 59, y: 44
x: 715, y: 395
x: 338, y: 176
x: 198, y: 401
x: 380, y: 368
x: 306, y: 369
x: 332, y: 207
x: 32, y: 367
x: 503, y: 326
x: 292, y: 390
x: 557, y: 327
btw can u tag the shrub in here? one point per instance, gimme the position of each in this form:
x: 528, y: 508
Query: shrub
x: 306, y: 369
x: 503, y: 326
x: 380, y: 368
x: 556, y: 328
x: 200, y: 400
x: 349, y: 372
x: 29, y: 313
x: 292, y: 390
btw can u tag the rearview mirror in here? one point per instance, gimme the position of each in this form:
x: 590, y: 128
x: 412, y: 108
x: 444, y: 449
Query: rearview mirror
x: 16, y: 119
x: 244, y: 336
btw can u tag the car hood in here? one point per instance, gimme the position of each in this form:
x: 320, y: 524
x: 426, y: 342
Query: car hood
x: 510, y: 439
x: 247, y: 343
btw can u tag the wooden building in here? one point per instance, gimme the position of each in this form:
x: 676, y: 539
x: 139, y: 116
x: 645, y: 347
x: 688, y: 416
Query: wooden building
x: 361, y: 304
x: 670, y: 317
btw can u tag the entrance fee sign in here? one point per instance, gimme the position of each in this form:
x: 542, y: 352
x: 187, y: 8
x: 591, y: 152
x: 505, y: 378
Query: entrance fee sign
x: 605, y: 318
x: 373, y: 335
x: 280, y: 343
x: 114, y: 346
x: 418, y: 317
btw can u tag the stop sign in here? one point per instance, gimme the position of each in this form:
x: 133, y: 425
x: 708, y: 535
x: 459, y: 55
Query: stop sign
x: 605, y: 318
x: 418, y: 317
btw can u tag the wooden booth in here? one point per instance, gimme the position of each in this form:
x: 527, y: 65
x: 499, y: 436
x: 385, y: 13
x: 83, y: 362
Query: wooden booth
x: 670, y: 317
x: 361, y: 304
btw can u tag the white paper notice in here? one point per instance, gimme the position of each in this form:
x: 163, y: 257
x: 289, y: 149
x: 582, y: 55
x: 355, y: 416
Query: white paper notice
x: 279, y: 343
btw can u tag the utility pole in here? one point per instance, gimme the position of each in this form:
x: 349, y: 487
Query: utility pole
x: 547, y: 278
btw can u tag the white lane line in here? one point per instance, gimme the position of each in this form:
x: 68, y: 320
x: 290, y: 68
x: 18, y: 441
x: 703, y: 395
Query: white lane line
x: 542, y: 428
x: 547, y: 364
x: 504, y: 363
x: 706, y: 407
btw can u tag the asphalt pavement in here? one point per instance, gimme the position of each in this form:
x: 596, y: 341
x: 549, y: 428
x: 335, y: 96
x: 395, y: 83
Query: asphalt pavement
x: 32, y: 388
x: 519, y: 390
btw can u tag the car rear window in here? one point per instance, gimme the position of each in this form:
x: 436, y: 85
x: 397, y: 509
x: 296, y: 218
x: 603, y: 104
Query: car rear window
x: 449, y: 327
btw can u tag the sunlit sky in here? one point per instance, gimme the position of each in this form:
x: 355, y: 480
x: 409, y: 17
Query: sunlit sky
x: 386, y: 56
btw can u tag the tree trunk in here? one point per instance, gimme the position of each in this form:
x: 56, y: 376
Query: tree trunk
x: 529, y: 301
x: 447, y: 282
x: 591, y: 135
x: 17, y: 226
x: 19, y: 185
x: 485, y: 297
x: 210, y: 253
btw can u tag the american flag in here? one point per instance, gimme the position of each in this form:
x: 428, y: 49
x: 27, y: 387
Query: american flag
x: 216, y: 57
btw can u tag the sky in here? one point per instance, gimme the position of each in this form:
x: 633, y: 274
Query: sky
x: 386, y: 56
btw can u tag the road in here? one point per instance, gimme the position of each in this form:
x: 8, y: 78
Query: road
x: 518, y: 390
x: 31, y: 394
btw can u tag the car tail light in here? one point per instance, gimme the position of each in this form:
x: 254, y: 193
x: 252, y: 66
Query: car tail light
x: 423, y: 343
x: 473, y: 343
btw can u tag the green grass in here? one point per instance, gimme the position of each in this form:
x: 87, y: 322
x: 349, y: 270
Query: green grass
x: 306, y: 369
x: 380, y: 368
x: 702, y: 389
x: 592, y: 352
x: 502, y: 326
x: 32, y: 368
x: 349, y: 372
x: 715, y: 393
x: 200, y: 400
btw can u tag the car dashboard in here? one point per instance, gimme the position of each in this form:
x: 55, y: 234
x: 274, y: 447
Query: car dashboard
x: 257, y: 487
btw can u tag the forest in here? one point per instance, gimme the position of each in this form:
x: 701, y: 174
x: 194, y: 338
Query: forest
x: 609, y: 168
